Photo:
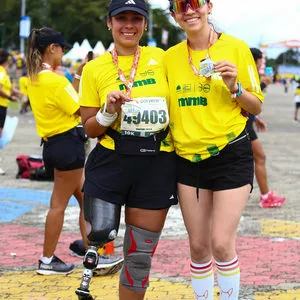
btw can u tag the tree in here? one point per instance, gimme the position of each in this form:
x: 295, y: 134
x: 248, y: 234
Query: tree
x: 290, y: 57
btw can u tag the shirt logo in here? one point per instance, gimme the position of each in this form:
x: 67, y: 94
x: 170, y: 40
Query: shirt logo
x: 130, y: 2
x: 152, y: 62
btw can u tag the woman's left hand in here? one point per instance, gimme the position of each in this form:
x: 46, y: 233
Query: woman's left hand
x: 229, y: 73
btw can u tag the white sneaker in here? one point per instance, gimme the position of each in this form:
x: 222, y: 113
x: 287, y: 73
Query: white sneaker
x: 2, y: 172
x: 108, y: 265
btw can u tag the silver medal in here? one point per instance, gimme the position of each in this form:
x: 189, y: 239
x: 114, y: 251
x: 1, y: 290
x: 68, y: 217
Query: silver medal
x: 207, y: 67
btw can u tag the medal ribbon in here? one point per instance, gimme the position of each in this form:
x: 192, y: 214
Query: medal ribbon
x: 195, y: 70
x: 46, y: 66
x: 128, y: 83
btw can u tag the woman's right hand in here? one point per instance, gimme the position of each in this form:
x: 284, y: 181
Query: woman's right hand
x: 114, y: 101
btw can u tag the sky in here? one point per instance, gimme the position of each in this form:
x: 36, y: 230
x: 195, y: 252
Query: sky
x: 256, y: 21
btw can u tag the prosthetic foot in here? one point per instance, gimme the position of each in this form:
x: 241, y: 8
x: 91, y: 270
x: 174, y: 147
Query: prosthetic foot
x: 90, y: 262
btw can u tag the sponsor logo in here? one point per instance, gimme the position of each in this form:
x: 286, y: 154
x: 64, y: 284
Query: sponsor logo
x: 139, y: 83
x: 192, y: 101
x: 130, y: 2
x: 152, y: 62
x: 146, y: 150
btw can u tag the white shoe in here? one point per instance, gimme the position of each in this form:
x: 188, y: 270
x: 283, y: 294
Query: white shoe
x: 2, y: 172
x: 108, y: 265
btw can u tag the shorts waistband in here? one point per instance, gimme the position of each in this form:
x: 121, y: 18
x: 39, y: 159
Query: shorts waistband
x: 46, y: 139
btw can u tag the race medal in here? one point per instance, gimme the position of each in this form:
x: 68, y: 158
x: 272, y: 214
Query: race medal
x: 207, y: 67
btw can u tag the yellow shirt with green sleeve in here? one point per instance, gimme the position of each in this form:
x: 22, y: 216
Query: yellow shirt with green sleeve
x: 204, y: 117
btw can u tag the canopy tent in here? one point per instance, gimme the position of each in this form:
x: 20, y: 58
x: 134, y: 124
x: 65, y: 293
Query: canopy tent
x: 85, y: 47
x: 284, y: 44
x: 111, y: 46
x: 73, y: 53
x: 98, y: 49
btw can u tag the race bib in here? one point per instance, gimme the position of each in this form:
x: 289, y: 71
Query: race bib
x: 144, y: 116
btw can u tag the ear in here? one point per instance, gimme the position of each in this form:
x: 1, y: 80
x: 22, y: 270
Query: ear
x: 210, y: 6
x: 51, y: 48
x: 108, y: 22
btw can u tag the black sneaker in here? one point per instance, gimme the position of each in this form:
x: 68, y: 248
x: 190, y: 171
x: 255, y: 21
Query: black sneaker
x: 77, y: 249
x: 56, y: 266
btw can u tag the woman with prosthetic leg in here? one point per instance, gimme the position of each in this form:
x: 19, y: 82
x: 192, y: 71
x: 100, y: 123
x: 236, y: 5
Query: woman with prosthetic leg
x: 124, y: 99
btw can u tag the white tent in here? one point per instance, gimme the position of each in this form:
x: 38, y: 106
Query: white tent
x: 85, y: 47
x: 73, y: 53
x: 111, y: 46
x: 99, y: 49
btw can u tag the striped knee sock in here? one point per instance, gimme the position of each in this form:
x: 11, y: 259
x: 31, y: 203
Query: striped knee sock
x: 202, y: 277
x: 229, y: 279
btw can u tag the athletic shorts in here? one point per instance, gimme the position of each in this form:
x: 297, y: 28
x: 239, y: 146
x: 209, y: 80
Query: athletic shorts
x: 64, y: 151
x: 250, y: 128
x: 297, y: 104
x: 3, y: 111
x: 138, y: 181
x: 231, y: 168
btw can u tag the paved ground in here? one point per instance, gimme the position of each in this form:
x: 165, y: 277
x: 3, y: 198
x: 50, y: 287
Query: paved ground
x: 268, y: 239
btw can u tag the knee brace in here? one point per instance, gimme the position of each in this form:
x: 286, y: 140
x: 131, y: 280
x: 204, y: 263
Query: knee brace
x: 102, y: 220
x: 139, y: 247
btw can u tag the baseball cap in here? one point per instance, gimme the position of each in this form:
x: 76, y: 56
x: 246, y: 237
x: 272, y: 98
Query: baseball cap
x: 118, y: 6
x: 52, y: 37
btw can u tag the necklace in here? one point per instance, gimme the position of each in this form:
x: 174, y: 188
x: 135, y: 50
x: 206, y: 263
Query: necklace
x: 128, y: 83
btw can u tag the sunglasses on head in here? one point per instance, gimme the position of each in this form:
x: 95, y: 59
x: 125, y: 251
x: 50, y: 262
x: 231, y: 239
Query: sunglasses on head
x: 181, y: 6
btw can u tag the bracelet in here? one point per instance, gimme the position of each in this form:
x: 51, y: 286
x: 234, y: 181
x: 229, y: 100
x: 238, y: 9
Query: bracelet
x: 237, y: 93
x: 104, y: 118
x: 77, y: 76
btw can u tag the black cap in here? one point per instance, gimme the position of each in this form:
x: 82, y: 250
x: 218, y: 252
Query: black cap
x: 52, y: 37
x: 118, y: 6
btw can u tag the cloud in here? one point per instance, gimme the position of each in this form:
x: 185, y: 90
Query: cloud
x: 255, y: 21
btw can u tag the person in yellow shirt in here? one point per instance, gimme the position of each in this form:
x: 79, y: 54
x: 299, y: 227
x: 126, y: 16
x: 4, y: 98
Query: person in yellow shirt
x: 23, y: 84
x: 55, y: 106
x: 7, y: 92
x: 124, y: 100
x: 214, y: 85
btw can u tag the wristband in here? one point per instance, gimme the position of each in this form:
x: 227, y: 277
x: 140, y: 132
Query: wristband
x: 77, y: 76
x: 104, y: 118
x: 238, y: 92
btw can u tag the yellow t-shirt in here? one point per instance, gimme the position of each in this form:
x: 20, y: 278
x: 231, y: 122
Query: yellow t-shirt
x: 54, y: 102
x: 6, y: 86
x: 203, y: 116
x: 100, y: 76
x: 23, y: 84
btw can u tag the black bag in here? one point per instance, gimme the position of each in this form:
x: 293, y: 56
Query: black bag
x: 81, y: 132
x: 135, y: 145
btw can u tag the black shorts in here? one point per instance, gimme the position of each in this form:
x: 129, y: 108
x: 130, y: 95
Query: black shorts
x: 231, y: 168
x: 3, y: 112
x: 64, y: 151
x: 297, y: 104
x: 139, y: 181
x: 250, y: 128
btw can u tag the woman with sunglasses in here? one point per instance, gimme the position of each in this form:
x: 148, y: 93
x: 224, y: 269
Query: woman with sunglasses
x: 210, y: 89
x: 124, y: 99
x: 55, y: 106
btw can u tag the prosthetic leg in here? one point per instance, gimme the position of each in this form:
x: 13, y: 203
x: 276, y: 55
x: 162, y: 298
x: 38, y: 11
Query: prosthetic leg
x: 102, y: 225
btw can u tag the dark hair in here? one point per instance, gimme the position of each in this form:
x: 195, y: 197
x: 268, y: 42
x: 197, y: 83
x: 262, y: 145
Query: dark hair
x: 256, y: 53
x: 3, y: 55
x: 35, y: 50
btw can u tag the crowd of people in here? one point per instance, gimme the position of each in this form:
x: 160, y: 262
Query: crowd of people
x: 148, y: 158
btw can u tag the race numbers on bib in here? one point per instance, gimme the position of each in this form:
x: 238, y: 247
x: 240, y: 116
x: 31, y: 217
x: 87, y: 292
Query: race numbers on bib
x: 144, y: 116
